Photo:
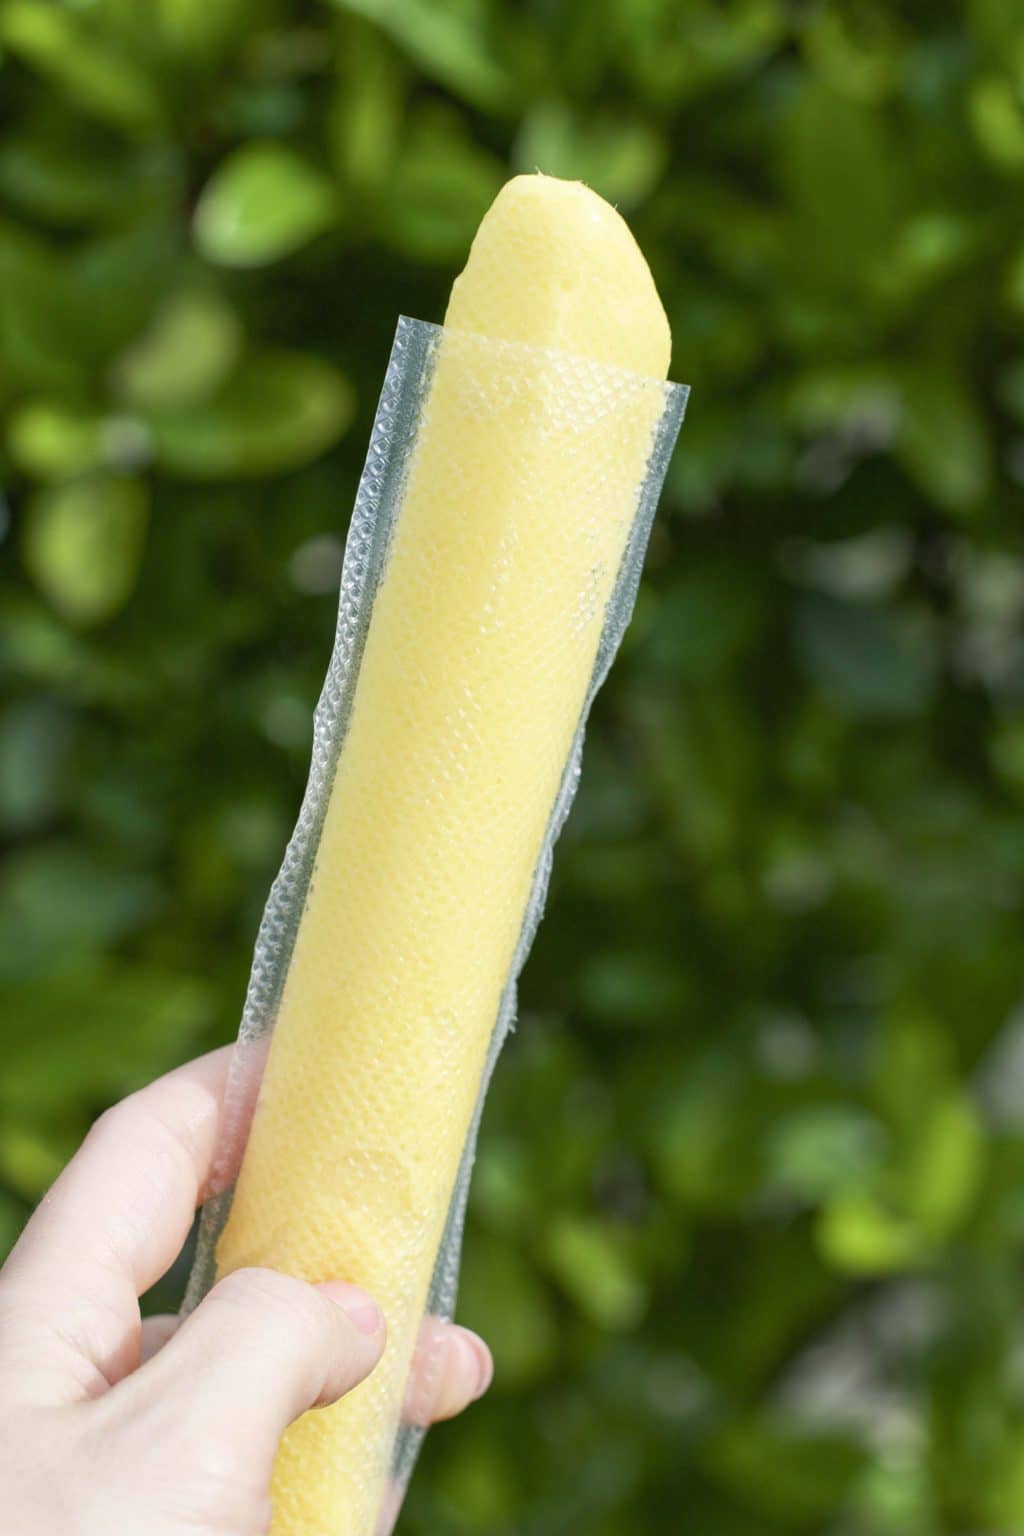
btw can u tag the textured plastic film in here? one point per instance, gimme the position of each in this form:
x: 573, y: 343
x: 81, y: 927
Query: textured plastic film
x: 491, y: 567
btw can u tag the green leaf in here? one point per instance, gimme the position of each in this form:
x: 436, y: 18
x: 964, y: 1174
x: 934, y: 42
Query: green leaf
x: 874, y: 659
x: 622, y: 987
x: 620, y: 157
x: 839, y: 170
x: 12, y: 1216
x: 201, y: 29
x: 61, y: 172
x: 84, y: 542
x: 34, y: 739
x: 278, y: 411
x: 701, y: 1143
x: 502, y: 1297
x: 442, y: 187
x: 364, y: 121
x: 263, y: 202
x: 1011, y: 384
x: 672, y: 53
x: 943, y: 1165
x: 912, y: 1048
x: 58, y: 902
x: 704, y: 622
x: 96, y: 74
x: 593, y: 1266
x: 29, y: 1162
x: 456, y: 43
x: 188, y: 352
x: 39, y: 344
x: 111, y: 1027
x: 53, y: 441
x: 997, y: 117
x: 796, y: 1477
x: 943, y: 441
x: 824, y: 1149
x: 859, y: 1236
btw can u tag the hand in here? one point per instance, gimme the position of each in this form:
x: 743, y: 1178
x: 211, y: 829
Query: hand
x: 114, y: 1427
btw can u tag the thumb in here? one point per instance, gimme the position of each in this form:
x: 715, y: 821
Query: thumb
x: 255, y: 1354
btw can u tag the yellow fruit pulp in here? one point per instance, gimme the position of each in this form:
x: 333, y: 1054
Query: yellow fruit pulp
x: 520, y: 494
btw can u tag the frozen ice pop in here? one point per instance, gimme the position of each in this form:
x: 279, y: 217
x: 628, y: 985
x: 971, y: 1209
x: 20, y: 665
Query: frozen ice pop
x: 522, y: 486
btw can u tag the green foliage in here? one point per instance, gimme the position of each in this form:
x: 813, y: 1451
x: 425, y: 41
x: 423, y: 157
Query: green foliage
x: 748, y: 1220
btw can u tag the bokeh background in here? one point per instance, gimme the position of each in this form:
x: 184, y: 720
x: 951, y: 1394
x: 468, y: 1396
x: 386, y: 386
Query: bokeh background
x: 748, y: 1220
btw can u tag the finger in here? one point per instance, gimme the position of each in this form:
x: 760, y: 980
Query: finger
x: 155, y: 1333
x: 261, y: 1349
x: 451, y: 1368
x: 114, y: 1222
x: 390, y: 1509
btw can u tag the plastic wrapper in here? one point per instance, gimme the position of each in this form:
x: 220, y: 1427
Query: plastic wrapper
x: 490, y: 570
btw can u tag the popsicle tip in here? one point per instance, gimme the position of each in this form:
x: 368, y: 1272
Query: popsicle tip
x: 554, y: 264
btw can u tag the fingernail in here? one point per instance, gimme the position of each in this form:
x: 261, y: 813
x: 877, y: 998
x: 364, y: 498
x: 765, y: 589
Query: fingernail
x: 357, y: 1306
x: 484, y: 1362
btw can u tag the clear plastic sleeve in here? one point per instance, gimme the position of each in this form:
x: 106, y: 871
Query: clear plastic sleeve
x: 446, y: 752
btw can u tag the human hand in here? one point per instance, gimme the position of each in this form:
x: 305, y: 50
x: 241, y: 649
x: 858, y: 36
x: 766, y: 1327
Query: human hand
x: 110, y: 1426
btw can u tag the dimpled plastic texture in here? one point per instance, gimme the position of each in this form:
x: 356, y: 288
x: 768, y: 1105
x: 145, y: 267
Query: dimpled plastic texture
x: 491, y: 566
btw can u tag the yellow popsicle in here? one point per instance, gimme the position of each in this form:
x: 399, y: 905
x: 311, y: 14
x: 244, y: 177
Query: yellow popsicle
x: 519, y: 498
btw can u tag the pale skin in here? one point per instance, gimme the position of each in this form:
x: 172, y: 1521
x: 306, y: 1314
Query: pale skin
x: 111, y: 1426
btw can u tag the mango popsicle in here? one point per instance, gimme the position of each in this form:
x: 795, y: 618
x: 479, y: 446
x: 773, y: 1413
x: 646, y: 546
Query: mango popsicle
x: 519, y: 497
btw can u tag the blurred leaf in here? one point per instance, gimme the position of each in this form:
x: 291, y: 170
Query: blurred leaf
x: 54, y: 442
x: 58, y: 172
x: 862, y: 60
x: 703, y: 1152
x: 875, y: 660
x: 858, y: 1235
x: 264, y: 202
x: 912, y: 1048
x: 188, y: 351
x: 49, y: 440
x: 364, y: 122
x: 595, y: 1270
x: 998, y: 121
x: 38, y: 341
x: 139, y: 262
x: 1011, y: 389
x: 58, y: 901
x: 943, y: 1166
x: 839, y: 173
x: 789, y: 1475
x: 34, y: 738
x: 641, y: 986
x: 29, y: 1162
x: 442, y: 187
x: 457, y: 44
x: 201, y: 28
x: 278, y: 411
x: 674, y: 53
x: 943, y: 442
x: 83, y: 544
x: 822, y: 1149
x: 58, y: 39
x: 11, y: 1217
x: 621, y: 158
x: 500, y: 1295
x: 703, y: 622
x: 111, y: 1029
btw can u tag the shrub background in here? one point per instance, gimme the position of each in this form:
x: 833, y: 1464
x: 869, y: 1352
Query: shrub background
x: 748, y: 1220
